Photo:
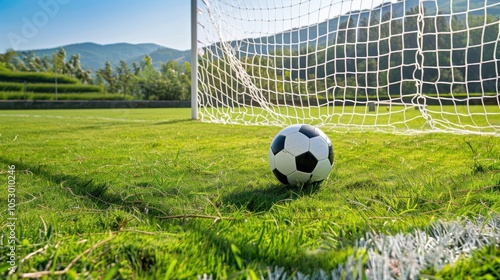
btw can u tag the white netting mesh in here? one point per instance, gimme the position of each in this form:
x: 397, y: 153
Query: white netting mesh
x: 396, y: 66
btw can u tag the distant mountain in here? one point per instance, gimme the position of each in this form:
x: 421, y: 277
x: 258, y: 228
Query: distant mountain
x: 164, y: 54
x: 93, y: 56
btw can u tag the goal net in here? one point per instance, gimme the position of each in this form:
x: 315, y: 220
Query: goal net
x: 395, y: 66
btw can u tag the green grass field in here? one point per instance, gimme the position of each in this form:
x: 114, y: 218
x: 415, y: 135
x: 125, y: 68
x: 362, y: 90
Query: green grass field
x: 151, y: 194
x: 390, y: 118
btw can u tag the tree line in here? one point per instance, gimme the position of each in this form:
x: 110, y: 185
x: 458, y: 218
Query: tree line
x: 140, y: 81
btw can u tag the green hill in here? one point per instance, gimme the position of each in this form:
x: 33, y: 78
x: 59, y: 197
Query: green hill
x: 93, y: 56
x: 35, y: 77
x: 44, y: 86
x: 163, y: 55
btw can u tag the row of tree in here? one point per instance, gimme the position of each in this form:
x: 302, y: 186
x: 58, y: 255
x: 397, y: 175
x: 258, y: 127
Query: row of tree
x: 141, y: 81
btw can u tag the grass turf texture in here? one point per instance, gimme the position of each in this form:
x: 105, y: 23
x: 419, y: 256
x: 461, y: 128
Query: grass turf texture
x: 148, y: 193
x: 394, y: 118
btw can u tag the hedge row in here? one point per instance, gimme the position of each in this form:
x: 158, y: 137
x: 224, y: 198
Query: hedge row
x: 64, y: 96
x: 49, y: 88
x: 460, y: 95
x: 35, y: 77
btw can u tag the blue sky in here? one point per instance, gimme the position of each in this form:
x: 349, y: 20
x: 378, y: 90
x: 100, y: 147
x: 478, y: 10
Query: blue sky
x: 37, y: 24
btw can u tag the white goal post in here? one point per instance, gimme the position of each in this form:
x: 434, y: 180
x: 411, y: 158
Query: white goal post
x: 401, y: 66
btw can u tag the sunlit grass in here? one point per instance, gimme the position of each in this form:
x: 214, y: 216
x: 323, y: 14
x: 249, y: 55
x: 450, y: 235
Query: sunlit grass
x: 384, y: 117
x: 169, y: 196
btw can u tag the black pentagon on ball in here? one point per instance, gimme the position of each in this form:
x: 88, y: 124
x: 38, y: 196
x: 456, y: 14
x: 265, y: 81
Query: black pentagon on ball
x: 306, y: 162
x: 278, y: 144
x: 308, y: 131
x: 281, y: 177
x: 330, y: 153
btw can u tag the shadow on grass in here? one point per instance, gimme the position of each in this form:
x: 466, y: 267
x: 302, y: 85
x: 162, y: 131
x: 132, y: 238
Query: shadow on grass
x: 256, y: 200
x: 85, y: 188
x: 108, y: 125
x: 175, y: 121
x: 262, y: 254
x: 260, y: 200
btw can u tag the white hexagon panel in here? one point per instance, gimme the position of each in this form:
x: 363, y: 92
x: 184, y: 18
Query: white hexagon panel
x: 297, y: 143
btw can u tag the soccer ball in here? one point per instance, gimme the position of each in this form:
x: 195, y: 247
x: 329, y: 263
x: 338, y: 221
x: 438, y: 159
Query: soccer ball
x: 301, y: 154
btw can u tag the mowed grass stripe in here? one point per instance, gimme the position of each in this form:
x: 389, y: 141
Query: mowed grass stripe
x: 188, y: 198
